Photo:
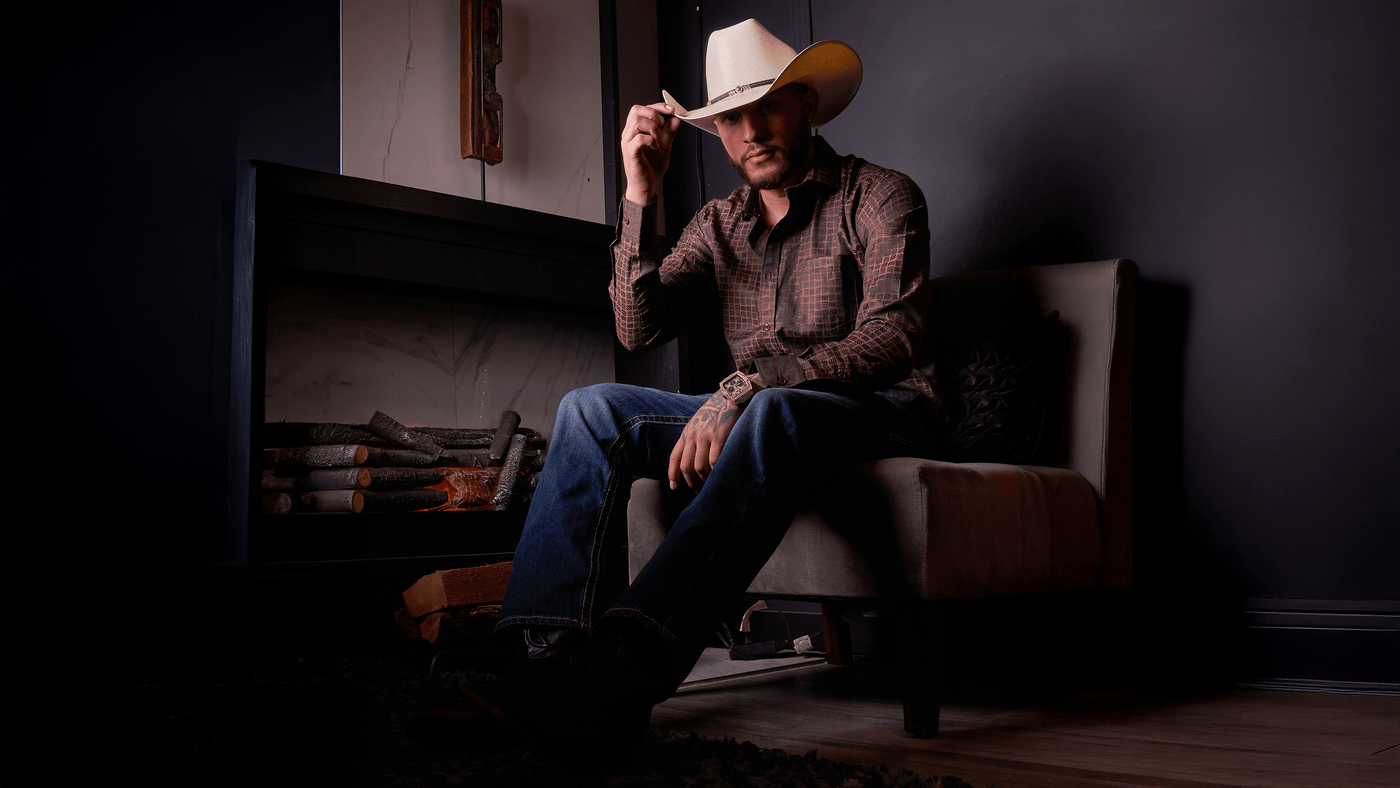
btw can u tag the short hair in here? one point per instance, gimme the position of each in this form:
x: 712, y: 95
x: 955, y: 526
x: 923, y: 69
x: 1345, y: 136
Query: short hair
x: 802, y: 88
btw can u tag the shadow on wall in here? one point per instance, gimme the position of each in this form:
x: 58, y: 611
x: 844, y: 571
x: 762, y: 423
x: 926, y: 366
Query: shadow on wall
x: 1060, y: 172
x: 1186, y: 593
x: 1052, y: 174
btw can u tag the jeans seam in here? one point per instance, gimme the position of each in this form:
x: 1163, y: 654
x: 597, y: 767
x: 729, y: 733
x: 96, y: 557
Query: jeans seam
x: 709, y: 559
x: 664, y: 630
x: 651, y: 418
x: 600, y: 526
x: 526, y: 620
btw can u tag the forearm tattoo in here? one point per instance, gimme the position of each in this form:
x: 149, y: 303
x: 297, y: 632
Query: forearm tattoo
x: 717, y: 410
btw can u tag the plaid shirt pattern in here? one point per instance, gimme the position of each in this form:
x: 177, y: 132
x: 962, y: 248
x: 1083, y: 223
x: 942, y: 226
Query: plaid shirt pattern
x: 836, y: 291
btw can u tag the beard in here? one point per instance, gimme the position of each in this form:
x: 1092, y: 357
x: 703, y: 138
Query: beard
x: 786, y: 158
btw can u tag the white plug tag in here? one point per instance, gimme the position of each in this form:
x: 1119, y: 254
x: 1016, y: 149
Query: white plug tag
x: 802, y: 644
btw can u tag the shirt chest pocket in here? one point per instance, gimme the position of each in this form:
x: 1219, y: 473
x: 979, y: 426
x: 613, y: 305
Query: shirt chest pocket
x: 820, y: 297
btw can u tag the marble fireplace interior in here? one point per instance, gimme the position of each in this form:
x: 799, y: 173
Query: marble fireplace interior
x: 352, y: 296
x: 338, y: 356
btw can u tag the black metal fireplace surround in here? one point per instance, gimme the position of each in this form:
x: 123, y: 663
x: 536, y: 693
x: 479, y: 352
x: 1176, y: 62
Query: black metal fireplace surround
x: 331, y: 231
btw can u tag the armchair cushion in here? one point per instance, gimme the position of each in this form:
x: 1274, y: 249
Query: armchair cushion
x: 1001, y: 382
x: 918, y: 529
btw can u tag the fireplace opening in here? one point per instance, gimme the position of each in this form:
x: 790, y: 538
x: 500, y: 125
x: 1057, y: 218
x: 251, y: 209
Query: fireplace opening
x: 393, y: 337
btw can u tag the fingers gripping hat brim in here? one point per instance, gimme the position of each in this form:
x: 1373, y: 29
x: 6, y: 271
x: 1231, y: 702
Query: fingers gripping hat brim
x: 831, y: 68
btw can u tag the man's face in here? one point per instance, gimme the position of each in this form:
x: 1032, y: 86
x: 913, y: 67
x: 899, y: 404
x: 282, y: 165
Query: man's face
x: 768, y: 141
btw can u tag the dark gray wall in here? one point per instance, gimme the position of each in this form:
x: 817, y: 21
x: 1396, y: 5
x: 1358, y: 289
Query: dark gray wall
x: 121, y: 208
x: 1244, y: 154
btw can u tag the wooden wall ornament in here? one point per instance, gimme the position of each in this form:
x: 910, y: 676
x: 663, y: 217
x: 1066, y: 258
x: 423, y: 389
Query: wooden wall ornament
x: 480, y: 103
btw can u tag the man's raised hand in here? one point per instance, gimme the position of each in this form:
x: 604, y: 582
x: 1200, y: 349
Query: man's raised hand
x: 646, y: 149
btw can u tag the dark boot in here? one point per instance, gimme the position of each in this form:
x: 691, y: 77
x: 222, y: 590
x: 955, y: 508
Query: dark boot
x: 549, y: 643
x: 587, y: 699
x: 599, y: 706
x: 497, y: 708
x: 541, y: 653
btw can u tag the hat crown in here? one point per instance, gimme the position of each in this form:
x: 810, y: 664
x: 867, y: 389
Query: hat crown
x: 745, y: 62
x: 743, y: 55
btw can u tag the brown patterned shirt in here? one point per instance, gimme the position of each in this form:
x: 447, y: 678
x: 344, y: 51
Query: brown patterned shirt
x: 836, y: 291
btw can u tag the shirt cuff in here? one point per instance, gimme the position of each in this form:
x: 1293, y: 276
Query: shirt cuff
x: 636, y: 225
x: 779, y: 371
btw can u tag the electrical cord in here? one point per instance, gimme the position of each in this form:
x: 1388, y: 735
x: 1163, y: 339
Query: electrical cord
x: 769, y: 649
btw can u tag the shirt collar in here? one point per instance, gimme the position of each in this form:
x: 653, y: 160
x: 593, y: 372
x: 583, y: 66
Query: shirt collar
x: 826, y: 165
x: 825, y: 169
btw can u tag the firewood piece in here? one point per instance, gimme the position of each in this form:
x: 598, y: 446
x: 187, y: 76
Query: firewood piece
x: 276, y: 503
x: 318, y: 479
x: 472, y: 439
x: 406, y: 623
x: 454, y: 623
x: 509, y: 472
x: 302, y: 433
x: 505, y: 431
x: 474, y: 585
x: 449, y: 438
x: 481, y: 458
x: 339, y: 433
x: 330, y: 501
x: 338, y: 456
x: 388, y: 458
x: 390, y: 430
x: 403, y: 500
x: 374, y: 456
x: 331, y: 433
x: 433, y: 624
x: 403, y: 478
x: 471, y: 458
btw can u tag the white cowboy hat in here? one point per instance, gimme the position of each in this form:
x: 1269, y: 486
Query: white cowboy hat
x: 745, y: 62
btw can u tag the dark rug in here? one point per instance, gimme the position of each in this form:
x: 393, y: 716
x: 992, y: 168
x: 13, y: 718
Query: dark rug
x: 347, y: 722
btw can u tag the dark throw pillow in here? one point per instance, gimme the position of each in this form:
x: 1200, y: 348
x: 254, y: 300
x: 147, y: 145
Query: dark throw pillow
x: 1001, y: 383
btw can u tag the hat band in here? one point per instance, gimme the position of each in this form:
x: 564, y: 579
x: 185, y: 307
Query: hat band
x: 740, y: 89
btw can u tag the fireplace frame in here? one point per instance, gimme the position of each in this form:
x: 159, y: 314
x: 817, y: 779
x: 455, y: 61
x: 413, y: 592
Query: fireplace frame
x: 342, y: 233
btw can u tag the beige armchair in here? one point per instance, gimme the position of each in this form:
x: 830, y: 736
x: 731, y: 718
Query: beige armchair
x: 909, y: 532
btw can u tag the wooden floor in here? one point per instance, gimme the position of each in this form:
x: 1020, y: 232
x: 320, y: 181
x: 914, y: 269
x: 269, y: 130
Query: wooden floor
x: 1134, y: 737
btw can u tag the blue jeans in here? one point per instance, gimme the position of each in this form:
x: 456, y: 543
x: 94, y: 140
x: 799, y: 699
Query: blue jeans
x: 785, y: 444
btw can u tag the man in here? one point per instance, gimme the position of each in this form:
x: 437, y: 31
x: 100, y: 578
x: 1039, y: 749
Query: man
x: 817, y: 268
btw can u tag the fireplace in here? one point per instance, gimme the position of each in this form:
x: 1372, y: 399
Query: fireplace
x: 353, y: 296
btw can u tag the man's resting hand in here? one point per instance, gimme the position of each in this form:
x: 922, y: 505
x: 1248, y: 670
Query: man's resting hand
x: 701, y: 442
x: 703, y: 439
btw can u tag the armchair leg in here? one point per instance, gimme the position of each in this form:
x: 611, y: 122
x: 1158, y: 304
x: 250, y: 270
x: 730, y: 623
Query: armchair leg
x: 836, y: 633
x: 920, y: 664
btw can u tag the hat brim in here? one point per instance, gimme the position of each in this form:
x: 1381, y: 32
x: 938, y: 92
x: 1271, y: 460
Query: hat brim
x: 831, y: 68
